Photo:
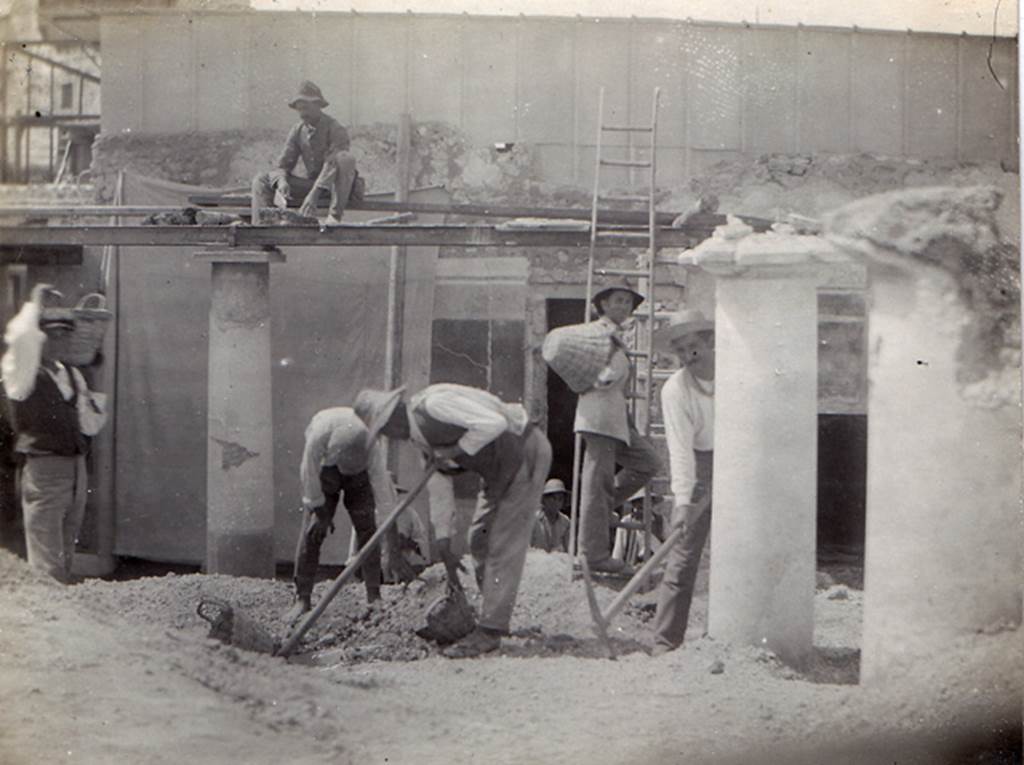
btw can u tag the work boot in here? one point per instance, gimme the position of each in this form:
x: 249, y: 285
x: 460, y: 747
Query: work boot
x: 476, y: 643
x: 301, y: 606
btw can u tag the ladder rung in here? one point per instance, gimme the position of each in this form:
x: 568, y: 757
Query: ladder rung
x: 622, y: 272
x: 625, y: 198
x: 626, y: 162
x: 630, y: 525
x: 636, y: 354
x: 657, y: 374
x: 625, y: 234
x: 627, y: 128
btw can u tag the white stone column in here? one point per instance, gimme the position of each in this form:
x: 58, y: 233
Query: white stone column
x: 945, y: 527
x: 240, y: 466
x: 765, y: 465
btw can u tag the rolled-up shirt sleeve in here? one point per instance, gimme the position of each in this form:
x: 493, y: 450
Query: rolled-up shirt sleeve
x: 312, y: 459
x: 679, y: 432
x: 384, y: 494
x: 482, y: 423
x: 441, y: 489
x: 92, y: 407
x: 20, y: 363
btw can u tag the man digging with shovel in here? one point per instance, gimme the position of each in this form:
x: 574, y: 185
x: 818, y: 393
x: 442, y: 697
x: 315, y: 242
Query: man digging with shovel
x: 339, y: 458
x: 481, y: 433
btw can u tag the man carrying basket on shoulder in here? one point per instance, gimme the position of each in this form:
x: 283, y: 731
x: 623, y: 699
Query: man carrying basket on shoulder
x: 612, y: 440
x: 54, y: 416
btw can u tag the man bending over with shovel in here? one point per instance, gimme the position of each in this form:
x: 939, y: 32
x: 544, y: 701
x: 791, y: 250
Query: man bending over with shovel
x: 339, y: 458
x: 481, y: 433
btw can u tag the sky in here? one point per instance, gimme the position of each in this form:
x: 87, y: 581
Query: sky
x: 971, y: 16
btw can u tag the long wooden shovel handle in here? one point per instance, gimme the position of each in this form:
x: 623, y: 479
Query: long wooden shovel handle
x: 641, y: 575
x: 293, y: 639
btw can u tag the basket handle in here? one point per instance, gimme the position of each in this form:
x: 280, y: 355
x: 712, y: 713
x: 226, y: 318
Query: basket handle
x: 101, y: 301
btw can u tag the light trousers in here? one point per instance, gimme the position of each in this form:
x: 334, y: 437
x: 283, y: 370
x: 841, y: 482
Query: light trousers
x: 53, y: 494
x: 602, y: 489
x: 500, y: 534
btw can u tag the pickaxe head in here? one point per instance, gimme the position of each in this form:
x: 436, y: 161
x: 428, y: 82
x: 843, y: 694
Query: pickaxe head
x: 600, y: 624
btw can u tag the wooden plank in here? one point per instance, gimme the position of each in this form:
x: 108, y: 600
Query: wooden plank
x: 618, y: 217
x: 54, y: 64
x: 48, y: 255
x: 99, y: 211
x: 424, y: 235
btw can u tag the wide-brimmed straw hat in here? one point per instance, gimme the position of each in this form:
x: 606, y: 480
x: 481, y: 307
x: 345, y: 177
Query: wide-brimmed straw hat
x: 610, y: 286
x: 375, y: 407
x: 555, y: 486
x: 684, y: 322
x: 308, y: 92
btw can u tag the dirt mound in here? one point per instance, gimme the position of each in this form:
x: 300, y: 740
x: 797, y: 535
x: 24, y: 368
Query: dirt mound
x: 551, y: 616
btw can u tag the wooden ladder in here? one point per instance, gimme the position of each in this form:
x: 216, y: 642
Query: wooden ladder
x: 642, y: 384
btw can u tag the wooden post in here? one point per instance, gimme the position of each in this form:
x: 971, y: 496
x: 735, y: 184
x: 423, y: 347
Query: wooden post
x: 3, y: 116
x: 27, y: 178
x: 396, y: 264
x: 240, y: 463
x: 50, y: 128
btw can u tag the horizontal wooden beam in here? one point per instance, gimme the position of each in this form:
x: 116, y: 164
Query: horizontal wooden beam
x: 55, y: 64
x: 47, y: 120
x: 422, y: 235
x: 99, y: 211
x: 638, y: 217
x: 33, y: 255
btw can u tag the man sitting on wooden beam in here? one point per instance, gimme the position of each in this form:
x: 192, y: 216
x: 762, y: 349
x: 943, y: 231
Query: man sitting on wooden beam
x: 322, y: 144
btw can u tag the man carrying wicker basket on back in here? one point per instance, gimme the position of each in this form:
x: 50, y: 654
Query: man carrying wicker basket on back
x: 54, y: 415
x: 610, y: 436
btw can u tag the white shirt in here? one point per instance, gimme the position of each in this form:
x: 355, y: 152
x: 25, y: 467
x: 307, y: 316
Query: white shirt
x: 20, y: 366
x: 337, y: 437
x: 688, y: 409
x: 482, y: 414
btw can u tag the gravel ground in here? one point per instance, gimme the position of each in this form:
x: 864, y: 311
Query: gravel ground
x: 113, y: 672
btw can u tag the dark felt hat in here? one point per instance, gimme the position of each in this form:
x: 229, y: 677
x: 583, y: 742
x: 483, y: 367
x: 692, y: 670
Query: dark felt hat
x: 308, y: 92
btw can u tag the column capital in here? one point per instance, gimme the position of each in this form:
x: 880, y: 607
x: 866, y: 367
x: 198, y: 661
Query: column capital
x: 769, y: 255
x: 240, y: 255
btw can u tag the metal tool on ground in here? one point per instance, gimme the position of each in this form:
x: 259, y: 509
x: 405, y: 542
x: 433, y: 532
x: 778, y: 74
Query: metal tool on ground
x: 309, y: 620
x: 602, y: 619
x: 231, y: 626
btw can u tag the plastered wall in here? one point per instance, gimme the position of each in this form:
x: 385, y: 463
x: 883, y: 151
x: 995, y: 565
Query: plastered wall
x: 726, y: 90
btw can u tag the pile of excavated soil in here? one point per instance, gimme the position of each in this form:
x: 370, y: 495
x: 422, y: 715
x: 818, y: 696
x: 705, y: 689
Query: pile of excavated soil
x: 551, y: 613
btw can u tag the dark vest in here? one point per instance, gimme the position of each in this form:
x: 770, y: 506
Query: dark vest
x: 45, y: 423
x: 497, y: 463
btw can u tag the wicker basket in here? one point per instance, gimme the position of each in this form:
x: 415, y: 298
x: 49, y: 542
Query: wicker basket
x: 80, y: 347
x: 578, y: 353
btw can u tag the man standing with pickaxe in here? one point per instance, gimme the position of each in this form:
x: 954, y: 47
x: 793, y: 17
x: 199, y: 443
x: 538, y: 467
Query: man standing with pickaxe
x: 688, y: 408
